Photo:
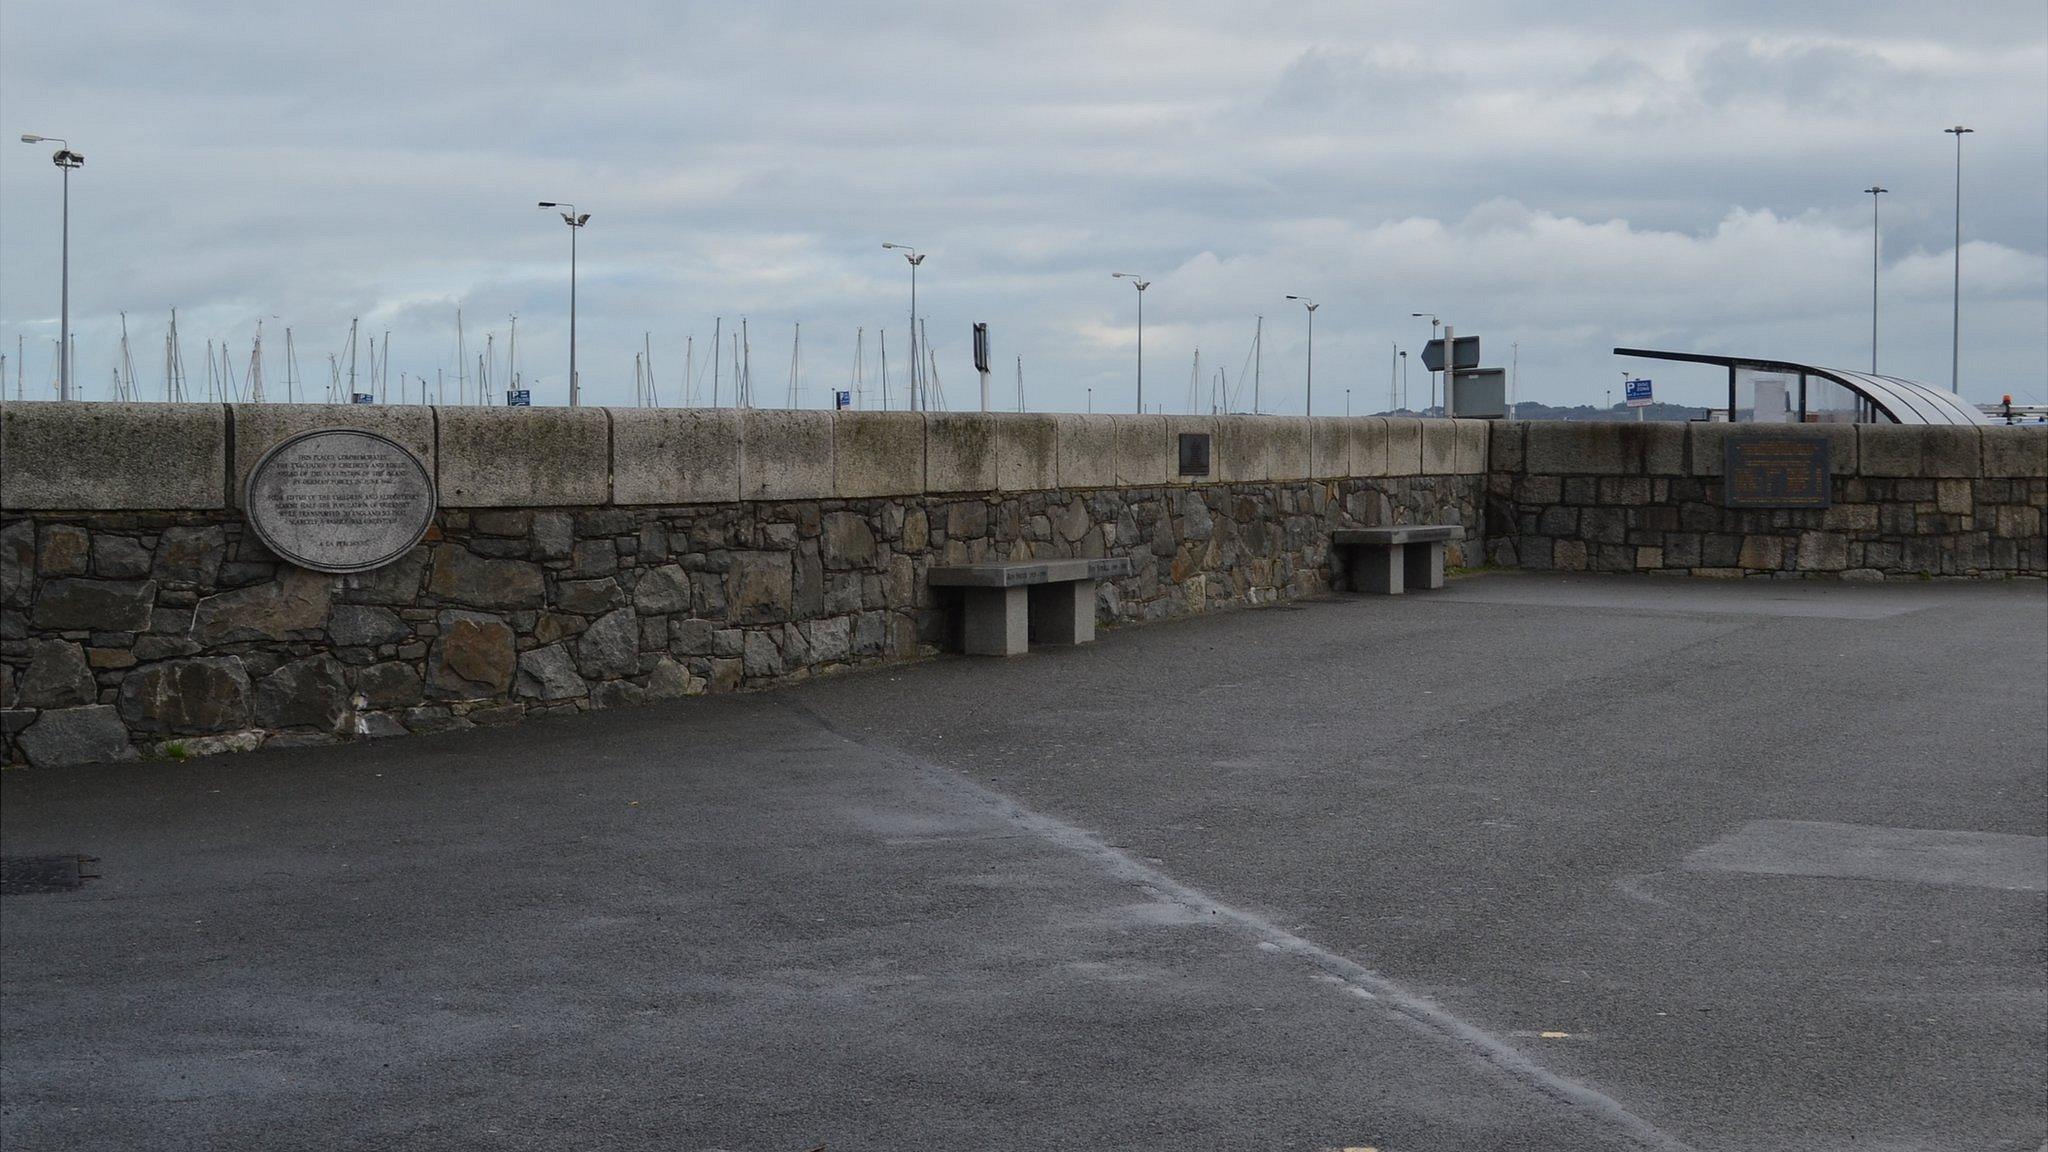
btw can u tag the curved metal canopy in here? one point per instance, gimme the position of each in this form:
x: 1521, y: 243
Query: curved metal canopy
x: 1902, y: 401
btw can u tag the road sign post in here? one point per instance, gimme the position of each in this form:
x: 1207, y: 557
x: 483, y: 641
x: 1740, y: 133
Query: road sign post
x: 1637, y: 392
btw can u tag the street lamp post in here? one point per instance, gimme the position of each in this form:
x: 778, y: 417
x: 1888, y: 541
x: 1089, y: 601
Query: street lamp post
x: 65, y: 159
x: 1874, y: 191
x: 1955, y: 348
x: 575, y: 223
x: 1141, y: 285
x: 916, y: 367
x: 1308, y: 403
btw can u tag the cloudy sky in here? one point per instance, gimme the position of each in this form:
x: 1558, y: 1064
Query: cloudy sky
x: 1559, y: 178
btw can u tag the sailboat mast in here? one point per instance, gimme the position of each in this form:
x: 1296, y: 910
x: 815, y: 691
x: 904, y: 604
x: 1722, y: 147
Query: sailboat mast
x: 796, y: 349
x: 1258, y: 361
x: 461, y: 361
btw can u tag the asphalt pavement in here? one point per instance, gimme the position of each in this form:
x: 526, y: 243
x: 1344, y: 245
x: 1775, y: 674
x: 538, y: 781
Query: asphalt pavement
x: 1533, y: 862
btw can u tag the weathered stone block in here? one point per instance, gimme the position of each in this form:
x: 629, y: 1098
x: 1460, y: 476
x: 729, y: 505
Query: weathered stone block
x: 1027, y: 452
x: 1470, y: 457
x: 119, y: 557
x: 63, y: 737
x: 461, y: 577
x: 610, y: 647
x: 548, y: 674
x: 2016, y: 450
x: 877, y: 454
x: 474, y: 655
x: 389, y: 685
x: 1145, y: 453
x: 1761, y: 552
x: 1329, y: 446
x: 960, y: 452
x: 675, y: 455
x: 1288, y: 449
x: 1439, y: 447
x: 785, y: 455
x: 203, y: 694
x: 1087, y: 451
x: 1567, y: 448
x: 1255, y: 448
x: 98, y: 605
x: 113, y: 456
x: 1404, y: 446
x: 760, y: 657
x: 847, y: 541
x: 57, y: 676
x: 350, y: 625
x: 260, y: 427
x: 523, y: 457
x: 17, y: 563
x: 1823, y: 551
x: 1664, y: 448
x: 761, y: 587
x: 63, y: 550
x: 662, y: 590
x: 1920, y: 452
x: 1504, y: 445
x: 311, y: 692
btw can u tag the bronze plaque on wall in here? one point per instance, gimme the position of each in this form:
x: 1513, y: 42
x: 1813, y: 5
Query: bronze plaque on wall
x: 1769, y: 470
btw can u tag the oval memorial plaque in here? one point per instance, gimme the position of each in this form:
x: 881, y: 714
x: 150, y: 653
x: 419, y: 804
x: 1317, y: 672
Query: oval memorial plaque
x: 340, y: 500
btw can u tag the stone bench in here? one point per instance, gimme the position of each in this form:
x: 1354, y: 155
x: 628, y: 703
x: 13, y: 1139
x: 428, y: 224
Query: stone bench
x: 1393, y: 560
x: 1007, y: 602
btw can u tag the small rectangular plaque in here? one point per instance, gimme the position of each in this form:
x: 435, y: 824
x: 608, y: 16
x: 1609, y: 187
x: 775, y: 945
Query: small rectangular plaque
x: 1194, y: 453
x: 1777, y: 471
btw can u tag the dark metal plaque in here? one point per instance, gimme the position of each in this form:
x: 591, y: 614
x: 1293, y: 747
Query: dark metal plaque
x: 1766, y: 470
x: 1194, y: 453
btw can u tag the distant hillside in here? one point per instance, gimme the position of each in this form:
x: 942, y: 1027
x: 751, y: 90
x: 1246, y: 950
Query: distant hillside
x: 1532, y: 410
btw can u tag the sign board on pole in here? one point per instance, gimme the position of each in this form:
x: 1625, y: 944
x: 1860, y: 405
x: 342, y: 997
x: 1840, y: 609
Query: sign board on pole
x: 519, y: 398
x: 1638, y: 393
x: 842, y: 399
x: 981, y: 347
x: 1480, y: 393
x: 1467, y: 354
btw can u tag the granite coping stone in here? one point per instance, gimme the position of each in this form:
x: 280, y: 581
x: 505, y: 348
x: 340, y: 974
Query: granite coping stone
x: 1017, y: 573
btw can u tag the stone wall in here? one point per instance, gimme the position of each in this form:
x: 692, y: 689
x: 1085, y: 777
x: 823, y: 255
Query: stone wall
x: 590, y: 558
x: 1907, y: 502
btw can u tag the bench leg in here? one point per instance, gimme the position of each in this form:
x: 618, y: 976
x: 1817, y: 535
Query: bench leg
x: 996, y: 621
x: 1425, y: 566
x: 1381, y: 568
x: 1063, y: 613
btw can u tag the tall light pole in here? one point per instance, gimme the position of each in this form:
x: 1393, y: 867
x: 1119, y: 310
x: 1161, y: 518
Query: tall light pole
x: 65, y: 159
x: 1955, y: 347
x: 1141, y: 285
x: 1874, y: 191
x: 575, y: 223
x: 1433, y: 322
x: 1308, y: 404
x: 916, y: 366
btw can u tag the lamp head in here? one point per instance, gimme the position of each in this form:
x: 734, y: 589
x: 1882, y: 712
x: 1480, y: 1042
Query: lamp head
x: 549, y: 204
x: 32, y: 138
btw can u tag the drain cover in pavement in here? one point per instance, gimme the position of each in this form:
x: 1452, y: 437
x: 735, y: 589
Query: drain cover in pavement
x: 20, y: 875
